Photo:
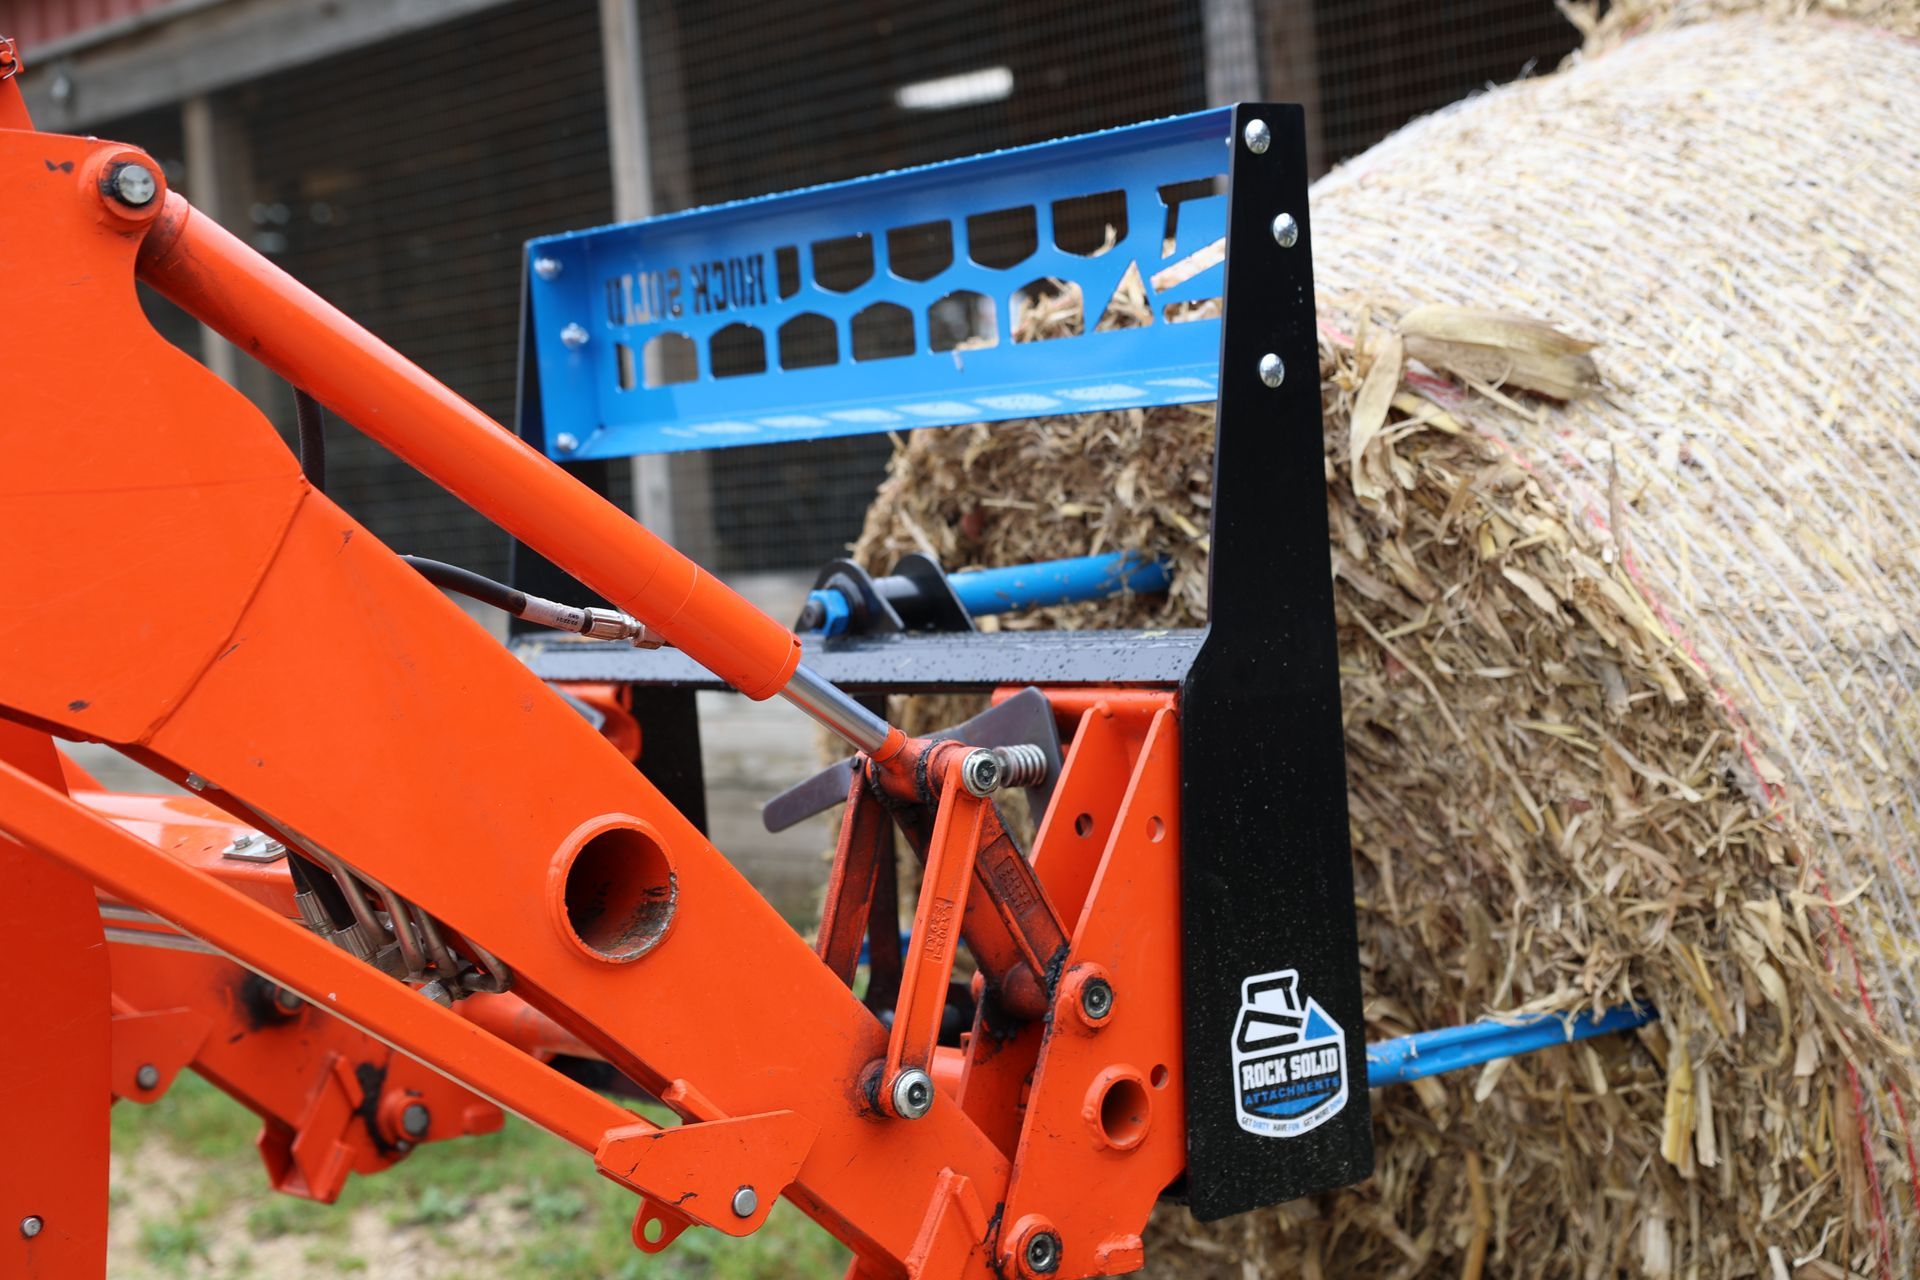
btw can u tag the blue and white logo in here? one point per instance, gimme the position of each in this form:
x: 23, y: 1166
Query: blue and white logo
x: 1289, y: 1059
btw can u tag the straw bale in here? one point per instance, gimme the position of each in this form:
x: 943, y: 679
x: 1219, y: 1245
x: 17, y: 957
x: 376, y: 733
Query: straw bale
x: 1620, y: 384
x: 1624, y: 19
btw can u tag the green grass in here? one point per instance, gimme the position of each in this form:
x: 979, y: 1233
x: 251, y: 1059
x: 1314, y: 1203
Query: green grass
x: 277, y: 1216
x: 172, y: 1243
x: 572, y: 1221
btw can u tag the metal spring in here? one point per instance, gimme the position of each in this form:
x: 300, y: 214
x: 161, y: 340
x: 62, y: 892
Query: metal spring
x: 1023, y: 765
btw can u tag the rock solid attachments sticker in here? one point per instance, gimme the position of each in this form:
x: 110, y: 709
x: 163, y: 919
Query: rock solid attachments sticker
x: 1289, y: 1059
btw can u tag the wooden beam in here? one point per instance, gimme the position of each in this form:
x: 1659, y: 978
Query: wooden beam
x: 212, y: 47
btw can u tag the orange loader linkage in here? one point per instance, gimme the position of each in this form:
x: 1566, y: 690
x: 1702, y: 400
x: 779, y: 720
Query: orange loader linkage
x: 407, y: 874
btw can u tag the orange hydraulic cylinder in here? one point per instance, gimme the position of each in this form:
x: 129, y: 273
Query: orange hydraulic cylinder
x: 523, y: 1026
x: 267, y: 313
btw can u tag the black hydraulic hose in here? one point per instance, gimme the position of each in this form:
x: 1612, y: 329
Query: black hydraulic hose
x: 308, y: 876
x: 313, y: 438
x: 451, y: 577
x: 311, y: 422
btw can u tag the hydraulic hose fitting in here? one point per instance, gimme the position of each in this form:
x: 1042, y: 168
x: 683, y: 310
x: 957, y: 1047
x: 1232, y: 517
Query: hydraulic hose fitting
x: 354, y: 941
x: 313, y: 913
x: 611, y: 624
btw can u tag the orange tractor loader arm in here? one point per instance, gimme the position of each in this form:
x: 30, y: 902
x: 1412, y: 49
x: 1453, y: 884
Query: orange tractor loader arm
x: 234, y: 629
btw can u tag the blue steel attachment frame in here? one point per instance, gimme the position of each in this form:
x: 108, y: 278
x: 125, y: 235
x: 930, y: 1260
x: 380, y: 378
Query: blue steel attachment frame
x: 887, y: 302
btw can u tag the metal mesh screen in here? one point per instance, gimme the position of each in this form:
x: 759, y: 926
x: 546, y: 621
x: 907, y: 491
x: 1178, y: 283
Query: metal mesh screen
x: 398, y: 182
x: 746, y: 98
x: 1382, y: 62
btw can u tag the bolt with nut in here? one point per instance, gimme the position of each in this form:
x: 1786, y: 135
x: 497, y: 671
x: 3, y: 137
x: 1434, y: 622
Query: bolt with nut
x: 1096, y: 999
x: 980, y: 772
x: 133, y: 184
x: 912, y: 1094
x: 1042, y: 1254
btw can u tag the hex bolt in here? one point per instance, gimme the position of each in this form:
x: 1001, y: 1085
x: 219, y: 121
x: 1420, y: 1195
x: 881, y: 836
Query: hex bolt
x: 415, y: 1120
x: 240, y: 842
x: 133, y: 184
x: 1043, y: 1253
x: 745, y: 1201
x: 566, y: 442
x: 31, y: 1225
x: 574, y: 337
x: 547, y: 268
x: 148, y: 1076
x: 1286, y: 232
x: 1096, y: 998
x: 1273, y: 370
x: 912, y: 1093
x: 1258, y: 137
x: 980, y: 772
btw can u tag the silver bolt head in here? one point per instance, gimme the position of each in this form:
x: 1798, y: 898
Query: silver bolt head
x: 1286, y: 232
x: 980, y: 772
x: 1096, y: 998
x: 1273, y: 370
x: 1043, y: 1252
x: 135, y: 184
x: 566, y: 442
x: 574, y: 336
x: 912, y: 1093
x: 1257, y: 136
x: 148, y: 1076
x: 745, y: 1201
x: 547, y: 268
x: 31, y: 1225
x: 415, y: 1120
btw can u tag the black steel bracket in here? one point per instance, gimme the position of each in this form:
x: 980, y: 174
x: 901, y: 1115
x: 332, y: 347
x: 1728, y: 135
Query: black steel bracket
x: 1266, y: 868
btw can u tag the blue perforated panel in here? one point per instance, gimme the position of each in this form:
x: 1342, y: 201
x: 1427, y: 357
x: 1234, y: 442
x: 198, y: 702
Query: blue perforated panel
x: 887, y: 302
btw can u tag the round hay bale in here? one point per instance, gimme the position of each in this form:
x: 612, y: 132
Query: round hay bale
x: 1631, y: 670
x: 1625, y: 19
